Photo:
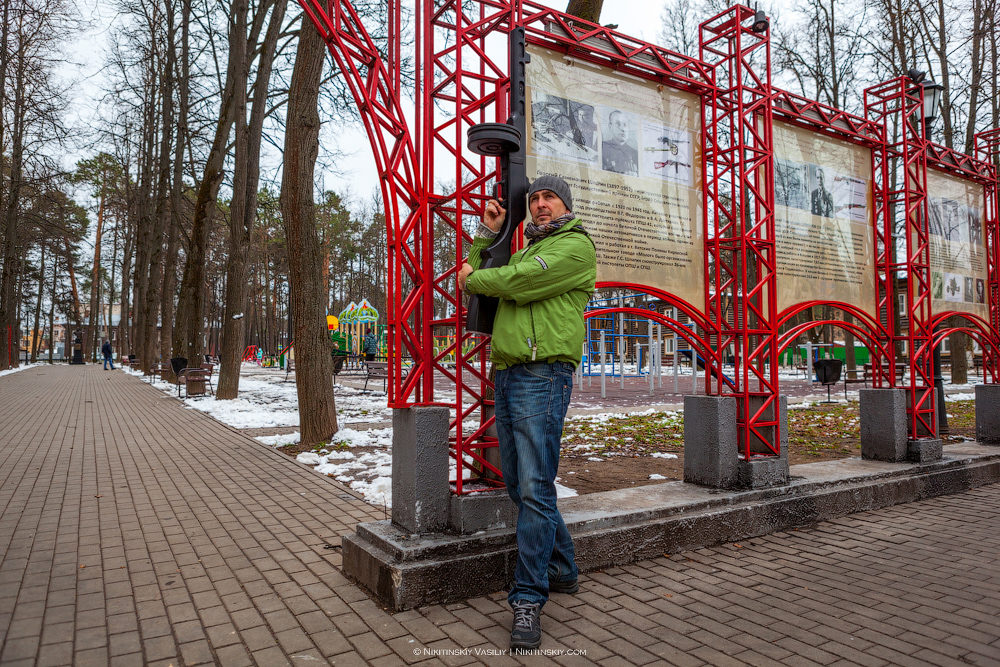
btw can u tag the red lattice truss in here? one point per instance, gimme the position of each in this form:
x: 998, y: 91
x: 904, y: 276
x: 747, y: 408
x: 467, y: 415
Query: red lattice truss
x: 460, y: 55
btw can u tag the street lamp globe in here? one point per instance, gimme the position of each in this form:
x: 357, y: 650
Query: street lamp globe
x: 932, y: 102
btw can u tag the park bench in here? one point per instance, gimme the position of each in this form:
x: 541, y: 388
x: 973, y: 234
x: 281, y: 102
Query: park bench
x: 195, y: 381
x: 852, y: 377
x: 900, y: 372
x: 339, y: 361
x: 376, y: 370
x: 158, y: 371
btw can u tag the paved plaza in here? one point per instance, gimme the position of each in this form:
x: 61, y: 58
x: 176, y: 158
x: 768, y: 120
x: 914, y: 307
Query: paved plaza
x: 136, y: 531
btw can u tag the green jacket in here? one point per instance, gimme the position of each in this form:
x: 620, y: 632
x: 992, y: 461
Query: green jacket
x: 543, y: 291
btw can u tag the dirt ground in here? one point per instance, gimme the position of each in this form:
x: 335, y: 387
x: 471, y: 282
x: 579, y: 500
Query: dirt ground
x: 627, y: 447
x: 602, y: 454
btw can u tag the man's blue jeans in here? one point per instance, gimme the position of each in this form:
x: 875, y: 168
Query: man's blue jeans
x: 108, y: 360
x: 531, y: 402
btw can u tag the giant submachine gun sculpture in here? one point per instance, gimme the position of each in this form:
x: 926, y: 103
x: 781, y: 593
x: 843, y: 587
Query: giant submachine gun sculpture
x: 506, y: 141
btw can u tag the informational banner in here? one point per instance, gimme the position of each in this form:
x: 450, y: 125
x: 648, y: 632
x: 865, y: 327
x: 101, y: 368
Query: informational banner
x: 958, y: 252
x: 631, y: 152
x: 823, y: 219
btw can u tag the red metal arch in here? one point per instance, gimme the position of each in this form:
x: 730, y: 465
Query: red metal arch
x: 667, y: 297
x: 980, y: 330
x: 866, y: 318
x: 701, y: 346
x: 868, y: 330
x: 603, y: 46
x: 376, y: 91
x: 872, y: 342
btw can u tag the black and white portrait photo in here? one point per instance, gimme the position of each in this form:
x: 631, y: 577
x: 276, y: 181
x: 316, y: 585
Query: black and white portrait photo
x: 619, y: 150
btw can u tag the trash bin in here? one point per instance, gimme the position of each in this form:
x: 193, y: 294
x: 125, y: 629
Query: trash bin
x: 178, y: 364
x: 828, y: 373
x: 828, y: 370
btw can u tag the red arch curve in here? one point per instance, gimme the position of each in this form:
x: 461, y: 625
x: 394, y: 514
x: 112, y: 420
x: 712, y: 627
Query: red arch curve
x: 696, y: 342
x: 980, y: 330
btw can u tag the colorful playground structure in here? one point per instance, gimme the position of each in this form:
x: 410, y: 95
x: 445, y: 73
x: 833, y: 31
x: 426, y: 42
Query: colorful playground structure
x: 347, y: 331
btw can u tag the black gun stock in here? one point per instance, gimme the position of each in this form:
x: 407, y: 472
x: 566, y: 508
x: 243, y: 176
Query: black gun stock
x: 505, y: 140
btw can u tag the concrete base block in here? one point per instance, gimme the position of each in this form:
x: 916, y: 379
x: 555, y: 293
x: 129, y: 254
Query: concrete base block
x: 766, y: 471
x: 420, y: 492
x: 924, y: 451
x: 883, y: 424
x: 405, y: 571
x: 712, y: 450
x: 763, y: 472
x: 487, y: 510
x: 710, y: 442
x: 988, y: 414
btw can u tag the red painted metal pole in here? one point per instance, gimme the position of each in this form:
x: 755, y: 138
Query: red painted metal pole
x: 741, y: 295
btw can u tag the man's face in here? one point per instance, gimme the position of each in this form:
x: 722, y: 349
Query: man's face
x: 545, y: 206
x: 619, y: 127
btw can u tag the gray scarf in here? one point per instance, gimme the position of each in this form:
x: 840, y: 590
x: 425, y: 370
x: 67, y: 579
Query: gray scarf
x: 536, y: 233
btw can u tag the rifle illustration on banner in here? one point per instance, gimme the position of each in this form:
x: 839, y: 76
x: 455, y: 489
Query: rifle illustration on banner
x: 506, y: 141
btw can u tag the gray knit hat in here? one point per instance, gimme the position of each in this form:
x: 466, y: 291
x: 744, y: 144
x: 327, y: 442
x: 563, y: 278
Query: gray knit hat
x: 556, y: 185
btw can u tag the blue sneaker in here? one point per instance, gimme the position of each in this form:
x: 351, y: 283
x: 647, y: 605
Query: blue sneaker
x: 526, y: 631
x: 569, y: 586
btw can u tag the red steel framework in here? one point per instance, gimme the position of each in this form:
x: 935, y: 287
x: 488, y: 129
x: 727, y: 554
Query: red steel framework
x: 987, y: 149
x: 741, y: 296
x: 460, y: 79
x: 902, y: 101
x: 979, y: 168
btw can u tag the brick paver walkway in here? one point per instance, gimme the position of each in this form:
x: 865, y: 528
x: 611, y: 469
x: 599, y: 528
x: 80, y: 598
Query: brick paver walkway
x: 136, y: 531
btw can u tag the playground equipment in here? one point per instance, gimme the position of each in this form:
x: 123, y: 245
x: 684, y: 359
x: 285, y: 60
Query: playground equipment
x: 353, y: 320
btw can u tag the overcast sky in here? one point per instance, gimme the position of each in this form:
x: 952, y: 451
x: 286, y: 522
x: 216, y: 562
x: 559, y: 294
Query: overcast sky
x: 638, y: 18
x: 85, y: 55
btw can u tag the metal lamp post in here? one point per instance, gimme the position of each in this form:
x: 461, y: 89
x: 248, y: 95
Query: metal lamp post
x: 932, y: 102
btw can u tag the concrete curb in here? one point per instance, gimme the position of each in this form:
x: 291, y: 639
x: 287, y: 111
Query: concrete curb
x: 618, y: 527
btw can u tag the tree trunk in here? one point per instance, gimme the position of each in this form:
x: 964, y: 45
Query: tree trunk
x: 169, y: 214
x: 72, y: 281
x: 849, y: 357
x: 145, y: 231
x: 95, y: 279
x: 52, y: 312
x: 313, y: 364
x: 176, y: 324
x: 246, y: 176
x: 588, y: 10
x: 35, y: 337
x: 124, y: 322
x: 11, y: 261
x: 191, y: 300
x: 959, y: 363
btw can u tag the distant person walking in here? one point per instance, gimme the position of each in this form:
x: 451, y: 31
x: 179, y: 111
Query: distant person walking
x: 106, y: 351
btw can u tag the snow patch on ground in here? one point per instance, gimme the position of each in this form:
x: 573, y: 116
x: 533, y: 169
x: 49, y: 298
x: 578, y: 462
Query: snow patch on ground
x: 360, y: 458
x: 279, y: 440
x: 564, y: 491
x: 22, y: 367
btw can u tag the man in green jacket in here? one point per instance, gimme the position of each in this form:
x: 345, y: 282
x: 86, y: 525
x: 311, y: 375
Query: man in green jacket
x: 537, y: 343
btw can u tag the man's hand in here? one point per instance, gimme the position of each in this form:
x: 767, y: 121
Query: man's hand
x: 463, y: 275
x: 494, y: 214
